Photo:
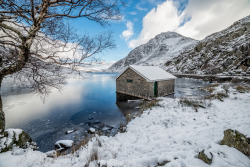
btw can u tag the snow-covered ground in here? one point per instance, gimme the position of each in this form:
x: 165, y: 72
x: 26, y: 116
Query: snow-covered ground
x: 169, y: 132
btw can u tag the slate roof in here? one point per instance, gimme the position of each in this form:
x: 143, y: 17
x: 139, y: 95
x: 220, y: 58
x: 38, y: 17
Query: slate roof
x: 151, y: 73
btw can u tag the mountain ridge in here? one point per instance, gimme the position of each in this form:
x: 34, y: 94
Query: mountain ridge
x: 162, y: 47
x: 223, y: 52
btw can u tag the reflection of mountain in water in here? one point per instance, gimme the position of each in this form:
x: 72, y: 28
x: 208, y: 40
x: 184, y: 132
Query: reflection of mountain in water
x: 85, y: 103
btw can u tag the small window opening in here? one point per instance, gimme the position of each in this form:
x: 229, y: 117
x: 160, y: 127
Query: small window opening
x: 129, y: 81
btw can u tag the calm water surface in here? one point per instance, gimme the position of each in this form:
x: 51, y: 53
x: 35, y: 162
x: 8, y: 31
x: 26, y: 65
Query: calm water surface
x: 83, y: 103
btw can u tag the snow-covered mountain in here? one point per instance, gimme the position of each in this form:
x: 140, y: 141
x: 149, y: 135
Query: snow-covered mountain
x: 94, y: 66
x: 157, y: 51
x: 224, y: 52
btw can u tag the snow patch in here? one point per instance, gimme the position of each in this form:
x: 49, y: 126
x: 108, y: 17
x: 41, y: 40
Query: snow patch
x: 166, y: 133
x: 14, y: 133
x: 152, y: 73
x: 92, y: 130
x: 61, y: 144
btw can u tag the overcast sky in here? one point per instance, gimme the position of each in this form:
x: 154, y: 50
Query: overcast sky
x: 144, y: 19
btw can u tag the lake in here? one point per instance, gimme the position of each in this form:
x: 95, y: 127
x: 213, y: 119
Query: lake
x: 82, y: 104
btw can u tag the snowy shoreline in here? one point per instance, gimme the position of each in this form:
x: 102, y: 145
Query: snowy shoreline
x: 166, y: 133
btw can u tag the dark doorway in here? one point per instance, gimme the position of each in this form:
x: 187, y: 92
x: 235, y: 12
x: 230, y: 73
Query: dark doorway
x: 156, y: 88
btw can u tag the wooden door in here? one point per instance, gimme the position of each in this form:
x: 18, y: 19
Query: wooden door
x: 156, y: 88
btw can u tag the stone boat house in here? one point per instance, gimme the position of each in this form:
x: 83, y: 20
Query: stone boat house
x: 145, y: 82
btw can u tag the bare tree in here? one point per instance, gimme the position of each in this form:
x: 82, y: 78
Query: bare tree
x: 36, y: 38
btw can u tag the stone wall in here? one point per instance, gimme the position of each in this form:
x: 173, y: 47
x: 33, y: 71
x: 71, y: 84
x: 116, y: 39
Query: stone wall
x: 139, y: 87
x: 166, y: 87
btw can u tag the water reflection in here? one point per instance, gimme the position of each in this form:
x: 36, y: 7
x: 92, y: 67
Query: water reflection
x: 189, y: 88
x: 23, y: 108
x: 81, y: 104
x: 81, y: 101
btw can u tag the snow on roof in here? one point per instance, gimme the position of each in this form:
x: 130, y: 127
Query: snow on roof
x: 152, y: 73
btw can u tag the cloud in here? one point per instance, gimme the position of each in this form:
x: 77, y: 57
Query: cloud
x: 138, y: 7
x: 212, y: 16
x: 132, y: 13
x: 129, y: 32
x: 161, y: 19
x: 197, y: 20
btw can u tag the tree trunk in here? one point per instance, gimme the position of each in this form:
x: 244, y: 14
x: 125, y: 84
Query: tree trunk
x: 20, y: 63
x: 2, y: 117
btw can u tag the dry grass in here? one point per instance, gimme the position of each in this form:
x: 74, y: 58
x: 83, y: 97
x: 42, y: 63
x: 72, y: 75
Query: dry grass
x: 226, y: 88
x: 82, y: 143
x: 194, y: 103
x: 220, y: 96
x: 209, y: 88
x: 149, y: 104
x: 92, y: 157
x: 122, y: 127
x: 216, y: 95
x: 128, y: 118
x: 59, y: 153
x: 242, y: 88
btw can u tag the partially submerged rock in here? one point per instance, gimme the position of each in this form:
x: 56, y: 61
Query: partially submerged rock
x: 15, y: 138
x: 91, y: 130
x: 70, y: 131
x: 205, y: 156
x: 101, y: 128
x: 235, y: 139
x: 63, y: 144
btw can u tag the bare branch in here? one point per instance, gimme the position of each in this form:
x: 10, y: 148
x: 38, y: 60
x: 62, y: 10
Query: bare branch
x: 37, y: 38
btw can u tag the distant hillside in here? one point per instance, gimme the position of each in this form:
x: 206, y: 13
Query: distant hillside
x: 224, y: 52
x: 157, y: 51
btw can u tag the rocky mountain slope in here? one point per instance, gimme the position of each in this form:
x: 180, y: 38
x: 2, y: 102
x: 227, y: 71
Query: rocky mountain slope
x: 157, y: 51
x: 224, y: 52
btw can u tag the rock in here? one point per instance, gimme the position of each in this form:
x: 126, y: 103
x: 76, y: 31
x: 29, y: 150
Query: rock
x: 70, y: 131
x: 204, y: 156
x: 63, y: 144
x: 162, y: 163
x: 52, y: 154
x: 90, y: 118
x: 235, y: 139
x: 91, y: 130
x: 15, y: 138
x: 106, y: 128
x: 2, y: 122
